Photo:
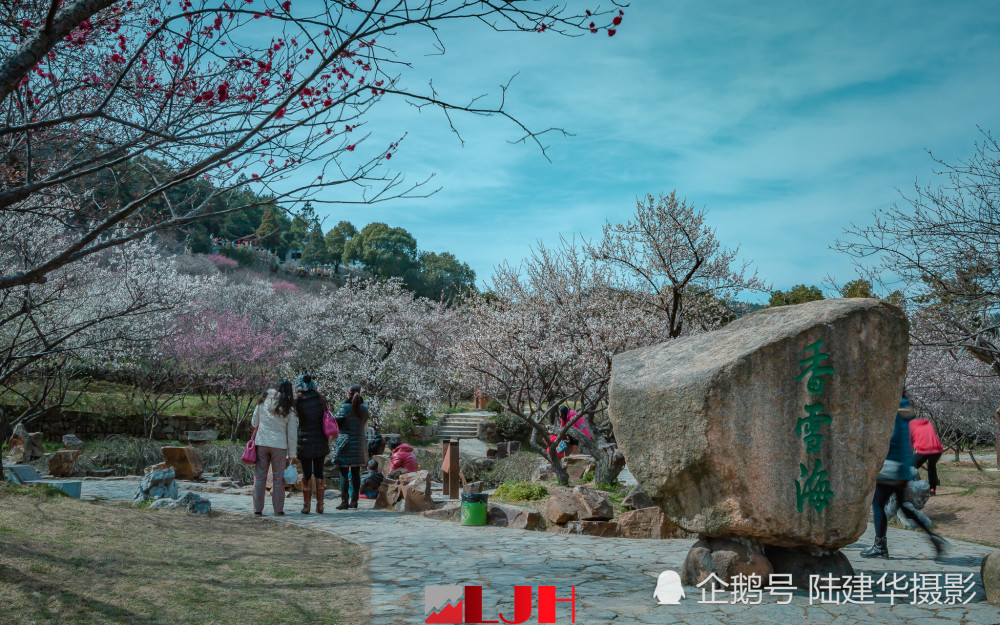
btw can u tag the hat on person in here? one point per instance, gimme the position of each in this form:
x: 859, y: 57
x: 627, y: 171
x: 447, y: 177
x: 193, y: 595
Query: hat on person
x: 906, y: 409
x: 305, y: 382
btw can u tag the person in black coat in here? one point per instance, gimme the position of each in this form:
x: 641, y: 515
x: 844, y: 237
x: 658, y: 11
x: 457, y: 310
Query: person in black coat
x: 352, y: 446
x: 897, y: 471
x: 313, y: 445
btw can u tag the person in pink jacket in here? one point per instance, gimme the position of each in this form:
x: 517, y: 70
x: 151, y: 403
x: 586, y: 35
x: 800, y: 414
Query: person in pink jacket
x: 577, y: 423
x: 402, y: 457
x: 926, y: 448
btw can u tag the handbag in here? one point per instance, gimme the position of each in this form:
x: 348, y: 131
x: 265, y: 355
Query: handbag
x: 250, y: 453
x: 330, y: 427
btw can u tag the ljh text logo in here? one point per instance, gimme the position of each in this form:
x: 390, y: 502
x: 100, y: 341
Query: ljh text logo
x: 464, y: 604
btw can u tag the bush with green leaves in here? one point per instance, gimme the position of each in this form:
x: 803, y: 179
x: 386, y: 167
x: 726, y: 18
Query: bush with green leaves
x: 494, y: 406
x: 512, y: 428
x: 521, y: 491
x: 415, y: 414
x: 243, y: 254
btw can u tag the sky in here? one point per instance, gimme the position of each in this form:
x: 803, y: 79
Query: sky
x: 788, y: 121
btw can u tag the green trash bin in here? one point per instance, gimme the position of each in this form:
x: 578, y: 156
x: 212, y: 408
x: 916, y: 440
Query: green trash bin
x: 474, y: 508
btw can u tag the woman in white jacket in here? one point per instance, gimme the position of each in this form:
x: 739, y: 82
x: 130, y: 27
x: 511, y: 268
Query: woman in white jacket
x: 276, y: 435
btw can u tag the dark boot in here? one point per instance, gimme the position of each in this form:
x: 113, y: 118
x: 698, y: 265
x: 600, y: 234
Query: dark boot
x: 307, y: 495
x: 320, y: 493
x: 343, y: 497
x: 879, y: 550
x: 354, y: 501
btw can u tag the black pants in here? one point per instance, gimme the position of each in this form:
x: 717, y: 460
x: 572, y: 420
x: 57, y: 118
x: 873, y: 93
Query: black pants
x: 312, y: 467
x: 882, y: 494
x: 931, y: 460
x: 355, y: 482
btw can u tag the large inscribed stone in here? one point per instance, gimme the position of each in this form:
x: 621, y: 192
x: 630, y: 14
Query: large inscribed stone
x: 772, y: 428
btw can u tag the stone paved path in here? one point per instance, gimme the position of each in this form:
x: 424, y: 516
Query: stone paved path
x: 614, y: 577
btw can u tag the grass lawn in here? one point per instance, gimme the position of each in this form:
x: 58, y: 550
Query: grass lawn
x: 67, y: 561
x: 967, y: 504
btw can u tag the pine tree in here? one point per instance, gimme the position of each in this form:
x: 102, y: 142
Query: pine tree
x: 269, y: 233
x: 315, y: 252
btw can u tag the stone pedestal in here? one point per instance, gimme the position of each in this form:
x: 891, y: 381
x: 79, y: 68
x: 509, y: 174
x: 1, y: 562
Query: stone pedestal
x: 727, y: 558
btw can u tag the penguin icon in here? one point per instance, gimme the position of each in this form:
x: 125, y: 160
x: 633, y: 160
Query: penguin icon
x: 669, y: 590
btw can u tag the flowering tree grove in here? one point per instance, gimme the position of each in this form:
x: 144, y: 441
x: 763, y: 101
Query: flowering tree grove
x: 544, y: 336
x: 938, y: 248
x: 670, y: 262
x: 229, y: 358
x: 115, y: 103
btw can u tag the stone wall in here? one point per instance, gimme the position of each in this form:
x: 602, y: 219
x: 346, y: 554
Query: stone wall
x: 94, y: 425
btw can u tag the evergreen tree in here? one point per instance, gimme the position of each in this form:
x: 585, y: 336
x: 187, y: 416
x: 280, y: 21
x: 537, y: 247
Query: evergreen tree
x: 315, y: 252
x: 269, y: 232
x: 337, y: 239
x: 798, y: 294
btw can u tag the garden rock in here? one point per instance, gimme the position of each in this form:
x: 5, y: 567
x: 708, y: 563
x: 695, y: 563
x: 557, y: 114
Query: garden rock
x: 502, y: 515
x: 24, y: 446
x: 637, y: 499
x: 725, y: 559
x: 561, y: 506
x: 63, y: 462
x: 801, y: 564
x: 647, y: 523
x: 416, y: 491
x: 604, y: 529
x: 70, y: 441
x: 389, y: 495
x: 159, y: 484
x: 449, y: 511
x: 577, y: 504
x: 543, y: 472
x: 193, y: 503
x: 184, y: 460
x: 594, y: 505
x: 990, y: 571
x: 708, y: 423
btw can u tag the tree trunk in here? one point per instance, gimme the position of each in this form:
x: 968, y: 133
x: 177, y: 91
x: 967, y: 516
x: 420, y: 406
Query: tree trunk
x: 996, y: 415
x: 608, y: 464
x: 561, y: 474
x: 973, y: 458
x: 4, y: 433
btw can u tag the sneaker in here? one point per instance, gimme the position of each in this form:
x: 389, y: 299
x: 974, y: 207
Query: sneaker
x: 932, y: 492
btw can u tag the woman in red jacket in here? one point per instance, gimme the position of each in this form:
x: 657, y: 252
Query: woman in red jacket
x: 926, y: 448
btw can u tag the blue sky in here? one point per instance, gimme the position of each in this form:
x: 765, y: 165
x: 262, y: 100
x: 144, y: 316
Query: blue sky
x: 787, y: 120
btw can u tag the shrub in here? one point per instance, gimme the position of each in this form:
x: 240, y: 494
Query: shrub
x: 415, y: 414
x: 588, y: 476
x: 494, y: 406
x: 517, y: 467
x: 242, y: 254
x: 512, y: 428
x: 223, y: 263
x: 39, y: 491
x: 521, y: 491
x: 283, y: 287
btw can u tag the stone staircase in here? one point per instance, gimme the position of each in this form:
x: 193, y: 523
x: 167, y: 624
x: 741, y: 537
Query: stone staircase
x: 461, y: 425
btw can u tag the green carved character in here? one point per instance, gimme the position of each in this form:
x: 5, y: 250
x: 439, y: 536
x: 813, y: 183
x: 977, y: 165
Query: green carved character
x: 813, y: 488
x: 814, y: 369
x: 808, y: 427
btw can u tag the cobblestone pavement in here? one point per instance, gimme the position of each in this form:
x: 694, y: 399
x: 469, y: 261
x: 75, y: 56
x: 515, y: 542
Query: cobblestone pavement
x: 614, y: 577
